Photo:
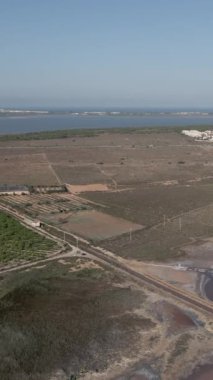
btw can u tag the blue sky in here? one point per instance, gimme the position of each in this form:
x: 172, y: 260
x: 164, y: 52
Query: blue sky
x: 106, y: 53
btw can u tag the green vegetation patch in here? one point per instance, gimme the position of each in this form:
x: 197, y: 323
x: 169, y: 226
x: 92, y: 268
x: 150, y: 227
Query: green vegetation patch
x: 78, y: 321
x: 181, y: 346
x: 65, y: 133
x: 20, y: 243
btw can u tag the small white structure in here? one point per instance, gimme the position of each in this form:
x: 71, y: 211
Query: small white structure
x: 198, y: 135
x: 36, y: 223
x: 32, y: 223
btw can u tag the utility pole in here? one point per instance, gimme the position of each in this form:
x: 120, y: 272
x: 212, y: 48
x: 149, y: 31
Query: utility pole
x: 164, y: 221
x: 115, y: 183
x: 180, y: 224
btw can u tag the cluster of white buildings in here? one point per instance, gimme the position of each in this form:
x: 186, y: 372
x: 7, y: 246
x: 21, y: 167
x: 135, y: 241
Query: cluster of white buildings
x: 198, y: 135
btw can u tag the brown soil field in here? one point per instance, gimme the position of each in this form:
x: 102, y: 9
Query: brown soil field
x: 94, y: 225
x: 147, y: 204
x: 161, y: 175
x: 167, y: 240
x: 76, y: 189
x: 30, y: 169
x: 126, y: 158
x: 79, y: 175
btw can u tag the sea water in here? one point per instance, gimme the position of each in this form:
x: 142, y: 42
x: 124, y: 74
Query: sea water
x: 81, y: 120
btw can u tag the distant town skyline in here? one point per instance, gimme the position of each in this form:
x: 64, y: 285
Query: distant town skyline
x: 109, y: 53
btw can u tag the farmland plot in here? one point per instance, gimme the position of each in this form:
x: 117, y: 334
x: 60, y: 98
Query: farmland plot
x: 30, y: 169
x: 95, y: 225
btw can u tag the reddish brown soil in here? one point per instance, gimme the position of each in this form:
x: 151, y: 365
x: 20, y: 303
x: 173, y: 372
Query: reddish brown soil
x: 176, y: 318
x: 202, y: 373
x: 75, y: 189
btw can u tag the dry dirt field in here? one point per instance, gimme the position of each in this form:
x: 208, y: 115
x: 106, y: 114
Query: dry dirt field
x: 126, y: 158
x: 94, y: 225
x: 18, y: 167
x: 161, y: 181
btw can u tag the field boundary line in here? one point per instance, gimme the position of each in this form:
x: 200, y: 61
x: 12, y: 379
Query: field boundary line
x: 52, y: 169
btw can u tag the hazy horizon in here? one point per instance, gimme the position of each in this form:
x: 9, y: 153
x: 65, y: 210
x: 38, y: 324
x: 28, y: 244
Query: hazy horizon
x: 123, y: 53
x: 103, y: 107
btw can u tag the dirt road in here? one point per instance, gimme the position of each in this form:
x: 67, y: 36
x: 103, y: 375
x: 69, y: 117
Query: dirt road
x: 111, y: 260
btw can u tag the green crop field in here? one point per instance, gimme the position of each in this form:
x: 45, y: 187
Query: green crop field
x: 20, y: 243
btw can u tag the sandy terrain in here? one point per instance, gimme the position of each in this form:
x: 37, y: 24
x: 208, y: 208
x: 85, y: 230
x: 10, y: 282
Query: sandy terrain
x: 181, y: 278
x: 76, y: 189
